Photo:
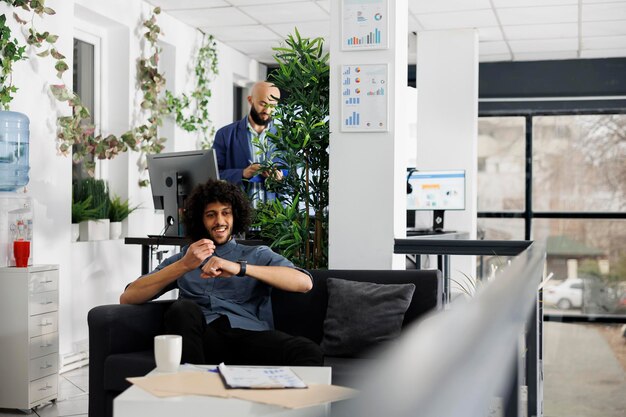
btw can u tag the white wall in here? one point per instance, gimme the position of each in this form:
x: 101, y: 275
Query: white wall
x: 94, y: 273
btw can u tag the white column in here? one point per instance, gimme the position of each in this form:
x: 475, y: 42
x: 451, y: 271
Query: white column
x: 447, y: 121
x: 367, y: 170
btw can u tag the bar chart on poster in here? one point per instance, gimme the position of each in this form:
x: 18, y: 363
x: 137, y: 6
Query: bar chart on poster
x: 364, y: 24
x: 364, y: 98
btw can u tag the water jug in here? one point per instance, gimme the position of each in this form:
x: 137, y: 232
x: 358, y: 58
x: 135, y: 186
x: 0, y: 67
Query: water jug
x: 14, y: 165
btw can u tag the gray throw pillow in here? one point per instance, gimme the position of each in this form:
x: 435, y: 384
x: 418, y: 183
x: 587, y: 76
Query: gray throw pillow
x: 363, y: 314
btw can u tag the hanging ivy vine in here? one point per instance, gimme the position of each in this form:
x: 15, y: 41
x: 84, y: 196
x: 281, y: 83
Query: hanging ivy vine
x: 205, y: 69
x: 76, y: 129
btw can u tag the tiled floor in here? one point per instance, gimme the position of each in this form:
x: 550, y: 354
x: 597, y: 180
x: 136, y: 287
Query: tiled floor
x: 72, y: 401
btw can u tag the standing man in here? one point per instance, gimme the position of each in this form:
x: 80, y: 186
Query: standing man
x: 237, y: 158
x: 223, y: 311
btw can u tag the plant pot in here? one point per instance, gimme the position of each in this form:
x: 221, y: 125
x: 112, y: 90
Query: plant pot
x: 115, y: 230
x: 75, y: 231
x: 94, y: 230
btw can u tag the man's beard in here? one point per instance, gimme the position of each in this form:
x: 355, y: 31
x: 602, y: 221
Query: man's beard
x: 256, y: 117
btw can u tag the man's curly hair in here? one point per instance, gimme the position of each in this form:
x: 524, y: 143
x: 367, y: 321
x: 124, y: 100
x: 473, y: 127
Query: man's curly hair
x: 211, y: 192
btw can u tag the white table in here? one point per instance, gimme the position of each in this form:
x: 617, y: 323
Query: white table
x: 136, y: 402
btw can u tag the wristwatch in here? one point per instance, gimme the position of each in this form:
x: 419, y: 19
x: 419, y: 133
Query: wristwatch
x: 242, y: 271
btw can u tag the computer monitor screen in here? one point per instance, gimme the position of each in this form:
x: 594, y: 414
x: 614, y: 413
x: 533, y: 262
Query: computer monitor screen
x: 173, y: 176
x: 436, y: 191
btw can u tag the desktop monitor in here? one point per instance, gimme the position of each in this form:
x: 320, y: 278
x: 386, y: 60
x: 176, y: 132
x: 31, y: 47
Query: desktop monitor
x: 172, y: 177
x: 436, y: 191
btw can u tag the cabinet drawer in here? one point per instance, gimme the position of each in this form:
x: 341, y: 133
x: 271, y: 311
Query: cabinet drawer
x: 43, y: 388
x: 44, y: 366
x: 44, y: 345
x: 43, y: 324
x: 43, y: 302
x: 43, y: 281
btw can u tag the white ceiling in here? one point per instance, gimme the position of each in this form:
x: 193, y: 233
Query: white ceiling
x: 509, y: 30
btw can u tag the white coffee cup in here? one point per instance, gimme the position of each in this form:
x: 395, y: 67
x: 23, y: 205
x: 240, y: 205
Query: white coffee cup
x: 168, y: 349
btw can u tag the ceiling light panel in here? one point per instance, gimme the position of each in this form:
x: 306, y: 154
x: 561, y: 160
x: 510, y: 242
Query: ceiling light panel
x: 555, y: 30
x: 287, y: 12
x: 447, y: 6
x: 223, y: 16
x: 457, y: 20
x: 538, y: 15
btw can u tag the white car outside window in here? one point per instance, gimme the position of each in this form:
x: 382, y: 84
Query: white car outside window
x: 566, y: 295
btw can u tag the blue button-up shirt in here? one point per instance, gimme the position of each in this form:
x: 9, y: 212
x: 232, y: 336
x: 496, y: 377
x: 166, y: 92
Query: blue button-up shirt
x: 244, y: 300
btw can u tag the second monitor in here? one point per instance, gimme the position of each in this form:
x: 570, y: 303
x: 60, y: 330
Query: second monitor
x: 172, y: 177
x: 435, y: 191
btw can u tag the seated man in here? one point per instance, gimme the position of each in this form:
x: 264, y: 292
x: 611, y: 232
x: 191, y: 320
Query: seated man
x: 224, y: 311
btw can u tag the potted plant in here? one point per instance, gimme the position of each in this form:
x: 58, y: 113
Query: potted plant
x: 297, y: 221
x: 96, y: 228
x: 119, y: 210
x: 81, y: 211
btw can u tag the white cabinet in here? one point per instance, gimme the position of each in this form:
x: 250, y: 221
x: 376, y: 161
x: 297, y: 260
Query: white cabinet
x: 29, y: 338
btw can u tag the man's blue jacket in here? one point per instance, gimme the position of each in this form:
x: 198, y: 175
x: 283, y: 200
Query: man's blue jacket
x: 232, y: 150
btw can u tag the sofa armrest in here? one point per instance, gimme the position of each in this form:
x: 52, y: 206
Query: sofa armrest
x: 119, y: 328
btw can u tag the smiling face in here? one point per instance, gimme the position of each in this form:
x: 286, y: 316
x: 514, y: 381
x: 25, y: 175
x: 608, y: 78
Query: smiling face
x: 218, y: 221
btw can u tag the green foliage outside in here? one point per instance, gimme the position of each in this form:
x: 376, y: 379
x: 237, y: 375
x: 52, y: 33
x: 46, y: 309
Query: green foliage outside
x: 297, y: 221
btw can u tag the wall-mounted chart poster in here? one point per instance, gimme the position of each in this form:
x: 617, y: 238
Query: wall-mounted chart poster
x: 364, y: 98
x: 364, y: 25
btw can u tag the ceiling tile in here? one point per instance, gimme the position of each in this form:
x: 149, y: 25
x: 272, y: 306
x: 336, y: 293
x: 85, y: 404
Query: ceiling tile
x: 555, y: 30
x: 188, y: 4
x: 603, y: 1
x: 492, y: 48
x: 605, y: 42
x: 241, y: 33
x: 447, y: 5
x: 491, y: 33
x: 544, y: 45
x: 259, y: 50
x: 603, y: 53
x: 545, y: 56
x: 306, y: 29
x: 538, y: 15
x: 324, y: 4
x: 287, y: 12
x: 261, y: 3
x: 224, y: 16
x: 528, y: 3
x: 604, y: 11
x: 617, y: 27
x: 414, y: 24
x: 494, y: 58
x: 457, y: 20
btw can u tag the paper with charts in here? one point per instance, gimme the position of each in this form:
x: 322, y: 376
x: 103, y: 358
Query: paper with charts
x: 259, y: 377
x: 364, y: 98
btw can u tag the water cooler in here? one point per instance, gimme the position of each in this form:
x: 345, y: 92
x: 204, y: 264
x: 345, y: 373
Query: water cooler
x: 16, y: 208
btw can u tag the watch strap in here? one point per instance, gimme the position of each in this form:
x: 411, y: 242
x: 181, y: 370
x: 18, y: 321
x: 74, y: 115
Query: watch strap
x: 242, y: 271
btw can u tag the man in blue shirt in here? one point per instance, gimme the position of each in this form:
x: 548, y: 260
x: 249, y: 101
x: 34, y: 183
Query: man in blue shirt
x: 224, y: 311
x: 237, y: 157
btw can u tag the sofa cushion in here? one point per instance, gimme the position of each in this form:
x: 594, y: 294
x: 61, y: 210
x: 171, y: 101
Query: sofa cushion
x: 361, y: 315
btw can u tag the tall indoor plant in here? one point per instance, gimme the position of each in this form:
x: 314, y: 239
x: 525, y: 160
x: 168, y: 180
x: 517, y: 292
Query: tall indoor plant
x: 297, y: 221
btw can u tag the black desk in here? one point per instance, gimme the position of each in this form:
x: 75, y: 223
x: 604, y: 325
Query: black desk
x: 445, y: 244
x: 148, y: 243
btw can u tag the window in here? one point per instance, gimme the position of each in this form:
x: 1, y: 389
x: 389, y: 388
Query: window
x: 85, y: 83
